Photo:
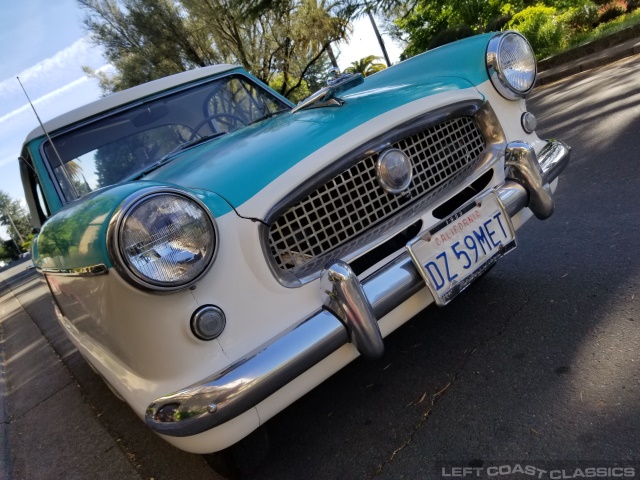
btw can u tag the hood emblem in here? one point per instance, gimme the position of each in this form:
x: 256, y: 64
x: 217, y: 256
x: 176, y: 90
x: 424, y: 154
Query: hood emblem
x: 394, y: 170
x: 328, y: 96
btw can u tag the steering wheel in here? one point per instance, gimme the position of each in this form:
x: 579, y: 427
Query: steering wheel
x: 231, y: 119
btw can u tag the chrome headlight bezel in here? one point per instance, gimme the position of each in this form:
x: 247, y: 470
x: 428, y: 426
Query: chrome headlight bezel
x: 115, y: 240
x: 496, y: 71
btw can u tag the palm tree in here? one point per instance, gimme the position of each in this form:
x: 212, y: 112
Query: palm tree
x: 355, y: 9
x: 378, y: 36
x: 366, y: 66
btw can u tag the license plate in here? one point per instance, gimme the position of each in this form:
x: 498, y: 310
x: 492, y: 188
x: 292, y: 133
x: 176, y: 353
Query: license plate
x: 453, y: 253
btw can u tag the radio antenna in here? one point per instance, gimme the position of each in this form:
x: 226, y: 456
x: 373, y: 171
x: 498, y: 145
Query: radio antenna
x: 62, y: 164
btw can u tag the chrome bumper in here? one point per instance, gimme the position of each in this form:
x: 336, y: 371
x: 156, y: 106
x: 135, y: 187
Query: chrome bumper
x: 350, y: 313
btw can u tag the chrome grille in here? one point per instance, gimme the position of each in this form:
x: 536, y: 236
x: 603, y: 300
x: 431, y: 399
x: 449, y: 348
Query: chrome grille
x: 331, y: 217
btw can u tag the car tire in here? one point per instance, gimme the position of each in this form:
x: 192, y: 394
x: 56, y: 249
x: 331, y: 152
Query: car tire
x: 242, y: 459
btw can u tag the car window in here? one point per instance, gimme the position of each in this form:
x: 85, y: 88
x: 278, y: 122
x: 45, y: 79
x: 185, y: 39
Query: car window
x: 241, y: 98
x: 115, y: 146
x: 110, y: 163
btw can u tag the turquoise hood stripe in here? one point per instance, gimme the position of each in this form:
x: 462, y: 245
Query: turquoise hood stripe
x: 239, y: 165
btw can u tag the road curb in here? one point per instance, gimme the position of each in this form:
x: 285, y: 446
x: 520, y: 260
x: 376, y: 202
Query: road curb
x: 597, y: 53
x: 588, y: 63
x: 594, y: 47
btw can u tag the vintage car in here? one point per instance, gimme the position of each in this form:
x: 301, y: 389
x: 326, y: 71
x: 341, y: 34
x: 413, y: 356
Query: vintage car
x: 215, y: 252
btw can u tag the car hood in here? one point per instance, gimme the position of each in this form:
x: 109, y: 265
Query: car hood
x: 239, y: 165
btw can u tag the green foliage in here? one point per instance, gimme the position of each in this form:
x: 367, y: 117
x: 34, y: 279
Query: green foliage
x: 15, y: 218
x: 443, y: 21
x: 8, y: 250
x: 580, y: 18
x: 366, y: 66
x: 451, y: 35
x: 550, y: 26
x: 26, y: 245
x: 300, y: 93
x: 562, y: 6
x: 541, y: 27
x: 426, y: 21
x: 148, y: 39
x: 4, y: 254
x: 610, y: 27
x: 316, y: 76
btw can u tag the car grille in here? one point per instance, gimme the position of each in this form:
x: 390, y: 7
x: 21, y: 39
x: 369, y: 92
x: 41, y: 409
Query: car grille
x: 342, y: 214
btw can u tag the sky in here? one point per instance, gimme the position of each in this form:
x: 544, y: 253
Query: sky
x: 43, y: 42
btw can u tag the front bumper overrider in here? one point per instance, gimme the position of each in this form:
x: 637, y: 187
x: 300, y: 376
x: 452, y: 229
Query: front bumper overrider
x: 350, y: 314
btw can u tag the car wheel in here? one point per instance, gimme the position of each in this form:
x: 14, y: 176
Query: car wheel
x: 242, y: 459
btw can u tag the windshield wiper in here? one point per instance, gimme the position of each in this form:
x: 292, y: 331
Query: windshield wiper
x: 183, y: 146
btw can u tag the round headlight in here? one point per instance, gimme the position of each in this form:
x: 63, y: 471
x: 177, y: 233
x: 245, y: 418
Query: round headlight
x: 163, y: 240
x: 511, y: 65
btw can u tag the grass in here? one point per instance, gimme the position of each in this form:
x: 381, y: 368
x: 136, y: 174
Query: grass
x: 602, y: 30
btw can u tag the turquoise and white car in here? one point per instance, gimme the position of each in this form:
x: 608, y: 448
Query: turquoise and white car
x: 216, y: 252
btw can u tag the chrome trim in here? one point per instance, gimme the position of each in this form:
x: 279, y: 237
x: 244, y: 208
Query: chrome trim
x: 91, y: 271
x: 327, y: 96
x: 513, y: 197
x: 481, y: 110
x: 381, y: 168
x: 494, y: 67
x: 114, y: 233
x: 554, y: 158
x: 345, y: 298
x: 487, y: 122
x: 239, y: 387
x: 252, y: 379
x: 523, y: 167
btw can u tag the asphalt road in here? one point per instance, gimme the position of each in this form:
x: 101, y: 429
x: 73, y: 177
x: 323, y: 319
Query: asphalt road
x: 537, y: 363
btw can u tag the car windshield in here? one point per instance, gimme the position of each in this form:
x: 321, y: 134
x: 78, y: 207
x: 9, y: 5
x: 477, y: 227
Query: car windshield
x: 116, y: 146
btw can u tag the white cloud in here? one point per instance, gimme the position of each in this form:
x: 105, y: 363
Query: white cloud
x: 45, y: 98
x: 50, y: 74
x: 15, y: 125
x: 70, y: 55
x: 56, y: 85
x: 49, y: 97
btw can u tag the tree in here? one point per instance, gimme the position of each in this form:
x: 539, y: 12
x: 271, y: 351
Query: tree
x: 281, y: 43
x: 146, y: 39
x: 9, y: 250
x: 15, y: 218
x: 435, y: 22
x: 366, y: 66
x: 277, y: 40
x: 354, y: 9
